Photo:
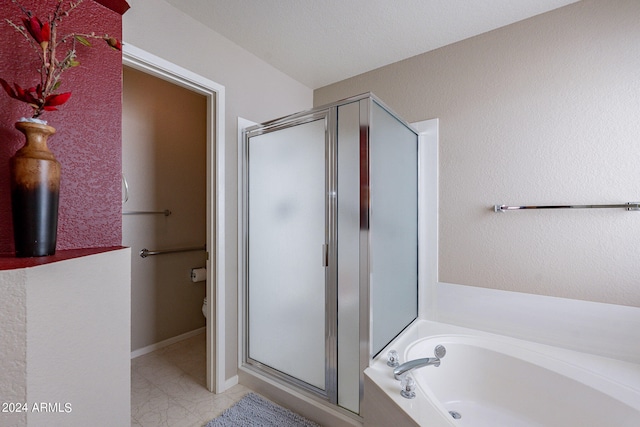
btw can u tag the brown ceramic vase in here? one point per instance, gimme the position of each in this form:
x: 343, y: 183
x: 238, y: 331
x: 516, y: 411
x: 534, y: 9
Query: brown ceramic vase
x: 35, y: 189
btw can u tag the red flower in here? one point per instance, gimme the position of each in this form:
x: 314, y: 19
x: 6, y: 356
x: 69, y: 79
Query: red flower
x: 39, y: 31
x: 52, y: 101
x: 33, y: 96
x: 57, y: 53
x: 113, y: 42
x: 19, y: 93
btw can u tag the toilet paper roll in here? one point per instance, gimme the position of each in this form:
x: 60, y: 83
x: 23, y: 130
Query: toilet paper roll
x: 198, y: 274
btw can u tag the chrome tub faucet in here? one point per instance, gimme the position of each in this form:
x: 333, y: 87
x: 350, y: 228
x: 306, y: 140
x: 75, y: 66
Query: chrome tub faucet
x: 404, y: 368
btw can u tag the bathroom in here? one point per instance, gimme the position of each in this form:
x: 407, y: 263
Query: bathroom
x: 164, y: 208
x: 524, y: 119
x: 543, y: 111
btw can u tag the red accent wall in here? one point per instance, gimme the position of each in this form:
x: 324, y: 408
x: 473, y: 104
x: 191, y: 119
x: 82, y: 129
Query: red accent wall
x: 88, y: 127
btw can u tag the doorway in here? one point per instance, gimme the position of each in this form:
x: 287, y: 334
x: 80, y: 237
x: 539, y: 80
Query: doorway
x: 164, y: 211
x: 213, y: 238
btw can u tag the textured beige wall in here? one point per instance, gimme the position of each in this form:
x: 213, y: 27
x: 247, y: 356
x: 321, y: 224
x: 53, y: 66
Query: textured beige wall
x: 164, y: 147
x: 545, y: 111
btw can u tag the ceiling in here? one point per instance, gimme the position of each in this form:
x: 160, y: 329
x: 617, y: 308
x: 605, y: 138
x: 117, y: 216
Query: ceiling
x: 319, y: 42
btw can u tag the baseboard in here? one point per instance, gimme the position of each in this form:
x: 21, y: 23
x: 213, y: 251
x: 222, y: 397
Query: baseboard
x: 234, y: 380
x: 157, y: 346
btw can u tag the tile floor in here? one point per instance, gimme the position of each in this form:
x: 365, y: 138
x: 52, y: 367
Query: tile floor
x: 168, y: 387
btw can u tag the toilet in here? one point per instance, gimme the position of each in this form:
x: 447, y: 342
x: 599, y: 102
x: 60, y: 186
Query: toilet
x: 204, y: 308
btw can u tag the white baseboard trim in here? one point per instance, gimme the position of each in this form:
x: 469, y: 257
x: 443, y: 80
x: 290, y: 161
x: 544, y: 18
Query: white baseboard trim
x: 157, y: 346
x: 234, y: 380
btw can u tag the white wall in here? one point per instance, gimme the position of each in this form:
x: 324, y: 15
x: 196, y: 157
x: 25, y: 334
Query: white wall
x: 13, y: 344
x: 254, y: 90
x: 65, y: 342
x: 544, y: 111
x: 607, y: 330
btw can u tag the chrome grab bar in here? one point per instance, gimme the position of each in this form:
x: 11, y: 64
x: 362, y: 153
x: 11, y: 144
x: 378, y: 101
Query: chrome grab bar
x: 146, y: 252
x: 165, y: 212
x: 631, y: 206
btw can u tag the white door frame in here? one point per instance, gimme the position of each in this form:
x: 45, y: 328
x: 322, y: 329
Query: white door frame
x: 148, y: 63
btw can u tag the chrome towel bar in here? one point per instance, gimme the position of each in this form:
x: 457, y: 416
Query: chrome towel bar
x: 146, y: 252
x: 631, y: 206
x: 165, y: 212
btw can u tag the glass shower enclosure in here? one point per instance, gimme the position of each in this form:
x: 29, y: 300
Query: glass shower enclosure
x: 330, y: 244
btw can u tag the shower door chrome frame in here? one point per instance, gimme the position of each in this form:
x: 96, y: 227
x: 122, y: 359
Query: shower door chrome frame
x: 367, y: 352
x: 365, y: 242
x: 329, y: 255
x: 330, y: 113
x: 366, y: 306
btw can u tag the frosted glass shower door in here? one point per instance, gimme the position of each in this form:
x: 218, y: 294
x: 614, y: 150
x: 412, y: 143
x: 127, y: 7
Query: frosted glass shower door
x: 393, y: 156
x: 287, y: 231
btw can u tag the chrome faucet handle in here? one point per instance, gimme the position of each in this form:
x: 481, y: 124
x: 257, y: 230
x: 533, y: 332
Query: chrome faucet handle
x: 408, y: 387
x: 440, y: 351
x: 393, y: 359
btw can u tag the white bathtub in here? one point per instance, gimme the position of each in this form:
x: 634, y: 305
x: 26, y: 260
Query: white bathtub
x: 491, y: 380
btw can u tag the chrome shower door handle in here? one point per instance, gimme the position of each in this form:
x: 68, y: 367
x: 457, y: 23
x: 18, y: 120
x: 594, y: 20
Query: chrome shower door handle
x: 325, y: 255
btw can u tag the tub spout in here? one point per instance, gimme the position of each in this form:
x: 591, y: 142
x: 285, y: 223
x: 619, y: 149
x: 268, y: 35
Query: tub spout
x: 414, y: 364
x: 401, y: 370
